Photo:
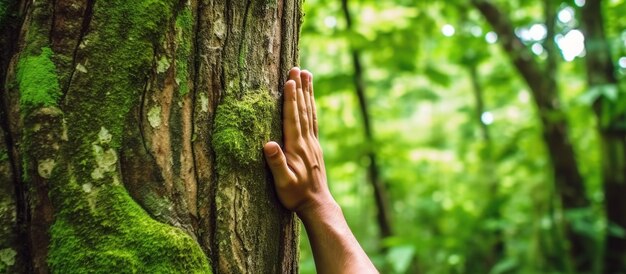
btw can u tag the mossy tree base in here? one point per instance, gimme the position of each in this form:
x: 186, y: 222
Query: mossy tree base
x: 137, y: 128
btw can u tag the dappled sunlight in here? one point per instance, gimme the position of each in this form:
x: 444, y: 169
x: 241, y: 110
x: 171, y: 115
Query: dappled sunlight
x: 456, y: 128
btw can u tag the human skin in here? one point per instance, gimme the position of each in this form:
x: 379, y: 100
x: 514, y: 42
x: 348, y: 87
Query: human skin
x: 300, y: 181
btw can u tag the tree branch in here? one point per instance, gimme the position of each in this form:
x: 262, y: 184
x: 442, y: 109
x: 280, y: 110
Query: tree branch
x: 520, y: 55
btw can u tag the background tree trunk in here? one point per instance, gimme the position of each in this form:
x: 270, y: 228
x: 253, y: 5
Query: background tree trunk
x: 381, y: 198
x: 569, y: 183
x: 136, y: 131
x: 611, y: 113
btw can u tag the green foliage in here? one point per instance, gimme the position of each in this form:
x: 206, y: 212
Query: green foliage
x: 37, y: 80
x: 462, y: 203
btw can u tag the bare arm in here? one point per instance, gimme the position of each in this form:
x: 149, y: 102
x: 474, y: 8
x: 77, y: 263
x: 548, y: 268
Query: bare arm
x: 300, y: 180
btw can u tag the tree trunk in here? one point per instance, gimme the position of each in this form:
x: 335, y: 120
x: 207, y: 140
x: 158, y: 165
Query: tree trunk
x: 612, y: 128
x: 492, y: 209
x: 542, y: 82
x: 383, y: 212
x: 135, y: 130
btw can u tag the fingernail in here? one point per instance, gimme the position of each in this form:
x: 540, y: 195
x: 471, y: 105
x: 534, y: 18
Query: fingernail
x: 272, y: 151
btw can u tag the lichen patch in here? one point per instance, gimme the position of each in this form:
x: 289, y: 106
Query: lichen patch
x: 163, y: 65
x: 87, y: 187
x: 45, y: 167
x: 81, y: 68
x: 105, y: 161
x: 204, y: 102
x: 104, y: 136
x: 154, y: 116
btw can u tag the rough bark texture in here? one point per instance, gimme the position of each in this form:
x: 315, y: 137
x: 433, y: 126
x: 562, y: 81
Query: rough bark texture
x: 611, y: 115
x: 542, y: 82
x: 132, y: 136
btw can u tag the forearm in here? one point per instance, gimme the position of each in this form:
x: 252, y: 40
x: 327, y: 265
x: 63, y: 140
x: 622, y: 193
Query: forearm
x: 334, y: 247
x: 300, y: 180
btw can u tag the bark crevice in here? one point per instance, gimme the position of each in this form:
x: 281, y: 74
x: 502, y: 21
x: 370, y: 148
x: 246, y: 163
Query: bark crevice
x: 87, y: 14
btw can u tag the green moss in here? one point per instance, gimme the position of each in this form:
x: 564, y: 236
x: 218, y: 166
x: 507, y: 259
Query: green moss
x: 7, y: 258
x: 120, y: 237
x: 121, y: 54
x: 4, y: 155
x: 184, y: 36
x: 241, y: 127
x: 98, y: 227
x: 37, y: 80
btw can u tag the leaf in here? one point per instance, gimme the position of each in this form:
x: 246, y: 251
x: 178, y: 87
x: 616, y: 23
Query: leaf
x: 400, y: 257
x: 609, y: 91
x: 420, y: 94
x: 504, y: 266
x: 589, y: 97
x: 582, y: 220
x: 616, y: 230
x: 437, y: 76
x: 325, y: 85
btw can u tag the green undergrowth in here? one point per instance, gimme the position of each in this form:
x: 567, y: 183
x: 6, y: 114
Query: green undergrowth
x: 241, y: 127
x: 37, y: 80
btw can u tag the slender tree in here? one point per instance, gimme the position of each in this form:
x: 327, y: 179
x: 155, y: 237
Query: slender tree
x: 492, y: 209
x: 383, y: 215
x: 134, y: 131
x: 541, y: 80
x: 610, y: 110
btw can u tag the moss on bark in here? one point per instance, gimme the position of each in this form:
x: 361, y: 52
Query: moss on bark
x: 98, y: 227
x: 37, y: 80
x: 184, y: 29
x: 241, y: 127
x: 124, y: 52
x: 115, y: 235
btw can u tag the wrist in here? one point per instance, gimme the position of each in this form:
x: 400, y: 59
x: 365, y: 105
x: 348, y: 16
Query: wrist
x: 322, y: 208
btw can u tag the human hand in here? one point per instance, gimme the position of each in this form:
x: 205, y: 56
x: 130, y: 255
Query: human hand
x: 299, y: 172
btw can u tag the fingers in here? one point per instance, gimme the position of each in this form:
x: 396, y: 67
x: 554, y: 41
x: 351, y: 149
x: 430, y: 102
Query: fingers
x: 306, y: 87
x: 313, y: 120
x: 291, y: 122
x: 278, y: 164
x: 294, y: 74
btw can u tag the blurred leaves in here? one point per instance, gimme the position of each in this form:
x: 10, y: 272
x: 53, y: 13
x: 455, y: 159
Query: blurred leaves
x: 461, y: 204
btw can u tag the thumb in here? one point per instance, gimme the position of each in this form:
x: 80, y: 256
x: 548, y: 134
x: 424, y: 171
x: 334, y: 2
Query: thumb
x: 277, y: 162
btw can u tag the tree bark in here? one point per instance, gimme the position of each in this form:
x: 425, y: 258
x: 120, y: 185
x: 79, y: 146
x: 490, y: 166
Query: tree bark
x: 611, y: 124
x: 568, y: 181
x: 138, y: 127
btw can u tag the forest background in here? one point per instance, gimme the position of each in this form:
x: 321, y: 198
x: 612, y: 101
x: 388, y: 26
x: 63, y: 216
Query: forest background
x: 474, y: 136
